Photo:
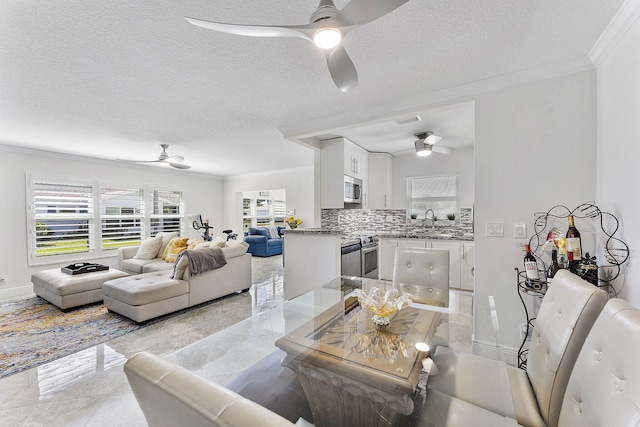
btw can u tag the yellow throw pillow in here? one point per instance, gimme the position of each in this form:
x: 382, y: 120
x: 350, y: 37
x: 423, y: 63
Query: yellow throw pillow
x: 193, y: 243
x: 175, y: 246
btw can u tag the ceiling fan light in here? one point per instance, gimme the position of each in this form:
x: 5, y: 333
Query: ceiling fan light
x: 422, y: 149
x: 327, y: 38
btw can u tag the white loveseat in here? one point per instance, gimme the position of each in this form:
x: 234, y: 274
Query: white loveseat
x: 154, y: 289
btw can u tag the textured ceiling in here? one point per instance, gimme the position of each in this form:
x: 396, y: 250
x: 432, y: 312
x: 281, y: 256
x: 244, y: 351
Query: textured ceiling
x: 115, y: 79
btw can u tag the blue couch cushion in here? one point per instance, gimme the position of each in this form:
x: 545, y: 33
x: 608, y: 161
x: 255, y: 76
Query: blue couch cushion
x: 259, y: 231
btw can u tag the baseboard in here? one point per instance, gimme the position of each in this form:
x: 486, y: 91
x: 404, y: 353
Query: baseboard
x: 488, y: 349
x: 21, y: 291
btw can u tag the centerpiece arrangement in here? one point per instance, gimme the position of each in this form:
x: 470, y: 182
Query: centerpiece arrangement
x: 293, y: 222
x: 382, y: 305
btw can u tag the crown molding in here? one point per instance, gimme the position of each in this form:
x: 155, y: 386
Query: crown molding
x: 617, y: 28
x: 75, y: 157
x: 305, y: 131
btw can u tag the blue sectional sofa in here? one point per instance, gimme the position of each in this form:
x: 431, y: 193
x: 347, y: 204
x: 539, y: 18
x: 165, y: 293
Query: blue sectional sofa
x: 262, y: 243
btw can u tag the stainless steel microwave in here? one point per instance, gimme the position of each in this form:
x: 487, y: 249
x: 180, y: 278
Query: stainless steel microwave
x: 352, y: 189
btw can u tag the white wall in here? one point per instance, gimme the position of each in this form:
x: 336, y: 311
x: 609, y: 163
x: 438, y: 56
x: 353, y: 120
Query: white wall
x: 618, y: 168
x: 535, y: 148
x: 298, y: 184
x: 202, y: 194
x: 459, y: 161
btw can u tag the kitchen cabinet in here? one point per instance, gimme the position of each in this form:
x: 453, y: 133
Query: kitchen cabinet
x: 461, y: 258
x: 380, y: 181
x: 356, y: 160
x: 339, y: 157
x: 467, y: 265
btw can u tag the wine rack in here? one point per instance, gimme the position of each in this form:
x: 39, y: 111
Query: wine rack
x: 615, y: 250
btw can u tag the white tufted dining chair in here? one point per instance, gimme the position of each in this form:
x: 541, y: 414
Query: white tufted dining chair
x: 424, y: 273
x: 567, y: 313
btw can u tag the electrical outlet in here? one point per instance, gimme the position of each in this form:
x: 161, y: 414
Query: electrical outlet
x: 3, y: 280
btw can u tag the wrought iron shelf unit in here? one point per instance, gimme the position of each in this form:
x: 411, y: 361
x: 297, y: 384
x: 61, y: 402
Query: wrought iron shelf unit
x: 614, y: 250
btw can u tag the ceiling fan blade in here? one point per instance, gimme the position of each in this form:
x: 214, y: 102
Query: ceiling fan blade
x: 341, y: 68
x: 302, y: 31
x: 441, y: 149
x: 358, y: 12
x: 140, y: 161
x: 175, y: 158
x: 179, y: 166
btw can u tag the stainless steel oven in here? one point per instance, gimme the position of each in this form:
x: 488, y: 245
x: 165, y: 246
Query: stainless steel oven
x: 369, y: 254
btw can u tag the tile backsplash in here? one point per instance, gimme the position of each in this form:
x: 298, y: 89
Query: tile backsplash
x: 372, y: 221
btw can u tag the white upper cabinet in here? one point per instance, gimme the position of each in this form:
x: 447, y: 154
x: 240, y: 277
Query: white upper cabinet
x: 355, y: 160
x: 380, y: 181
x: 339, y: 157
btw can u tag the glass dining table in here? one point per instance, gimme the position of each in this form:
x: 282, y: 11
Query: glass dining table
x: 352, y: 372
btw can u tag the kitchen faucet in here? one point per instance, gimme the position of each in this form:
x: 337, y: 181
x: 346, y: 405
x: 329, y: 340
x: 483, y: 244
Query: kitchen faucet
x: 433, y: 218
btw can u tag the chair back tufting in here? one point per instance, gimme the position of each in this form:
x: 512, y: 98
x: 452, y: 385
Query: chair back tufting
x: 424, y: 273
x: 604, y: 389
x: 567, y: 313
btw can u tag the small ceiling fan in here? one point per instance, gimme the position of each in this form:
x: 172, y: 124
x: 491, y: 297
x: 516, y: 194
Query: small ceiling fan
x: 327, y: 28
x: 173, y: 161
x: 425, y: 144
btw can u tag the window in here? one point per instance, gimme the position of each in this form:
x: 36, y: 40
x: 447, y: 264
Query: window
x: 72, y: 220
x: 121, y: 214
x: 63, y: 218
x: 166, y: 211
x: 263, y: 212
x: 439, y: 193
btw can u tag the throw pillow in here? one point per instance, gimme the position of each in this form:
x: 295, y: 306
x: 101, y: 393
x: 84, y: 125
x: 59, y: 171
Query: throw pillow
x: 259, y: 232
x: 217, y: 242
x: 175, y: 246
x: 273, y: 231
x: 149, y: 248
x: 181, y: 264
x: 193, y: 243
x: 235, y: 248
x: 166, y: 238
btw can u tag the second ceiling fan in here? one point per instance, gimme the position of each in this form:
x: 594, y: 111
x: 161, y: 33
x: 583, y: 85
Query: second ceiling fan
x: 327, y: 28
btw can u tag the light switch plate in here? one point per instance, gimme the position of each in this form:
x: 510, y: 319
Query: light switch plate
x: 520, y: 231
x: 495, y: 229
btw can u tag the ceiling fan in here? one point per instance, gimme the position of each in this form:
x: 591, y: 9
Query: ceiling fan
x: 425, y: 144
x: 327, y: 28
x: 173, y: 161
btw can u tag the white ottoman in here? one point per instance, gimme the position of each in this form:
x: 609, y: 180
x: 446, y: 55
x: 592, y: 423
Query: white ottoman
x: 145, y: 296
x: 67, y: 291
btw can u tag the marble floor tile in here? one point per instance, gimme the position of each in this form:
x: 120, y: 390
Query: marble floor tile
x: 89, y: 388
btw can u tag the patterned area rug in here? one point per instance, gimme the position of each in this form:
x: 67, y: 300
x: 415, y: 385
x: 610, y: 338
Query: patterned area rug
x: 33, y: 332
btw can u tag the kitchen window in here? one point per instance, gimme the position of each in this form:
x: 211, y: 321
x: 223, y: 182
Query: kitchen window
x: 438, y: 192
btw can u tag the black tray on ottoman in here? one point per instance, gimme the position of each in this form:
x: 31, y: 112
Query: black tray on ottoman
x: 83, y: 267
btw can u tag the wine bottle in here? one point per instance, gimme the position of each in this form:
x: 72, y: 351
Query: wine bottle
x: 531, y: 269
x: 554, y: 267
x: 574, y: 243
x: 571, y: 264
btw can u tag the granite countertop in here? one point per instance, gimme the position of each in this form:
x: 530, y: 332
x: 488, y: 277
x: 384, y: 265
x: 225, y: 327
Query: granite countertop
x: 435, y: 235
x: 445, y: 234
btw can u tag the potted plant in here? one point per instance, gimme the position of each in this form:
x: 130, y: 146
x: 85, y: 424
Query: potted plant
x: 451, y: 217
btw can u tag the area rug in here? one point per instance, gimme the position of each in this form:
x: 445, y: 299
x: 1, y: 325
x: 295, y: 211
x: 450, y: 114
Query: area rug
x: 33, y: 332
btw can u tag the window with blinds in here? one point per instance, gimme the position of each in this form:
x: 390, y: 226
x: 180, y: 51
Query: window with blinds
x: 166, y: 210
x: 439, y: 193
x: 121, y: 216
x: 62, y: 218
x: 72, y: 221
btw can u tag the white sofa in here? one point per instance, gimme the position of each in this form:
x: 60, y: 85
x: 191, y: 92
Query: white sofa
x: 154, y: 292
